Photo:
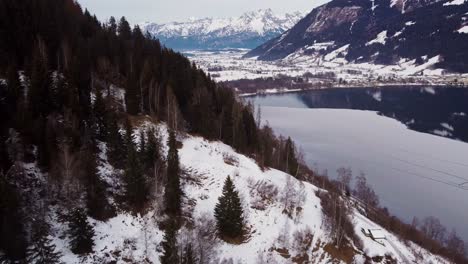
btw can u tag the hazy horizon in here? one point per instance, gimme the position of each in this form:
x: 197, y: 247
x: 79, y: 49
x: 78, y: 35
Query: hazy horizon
x: 139, y: 11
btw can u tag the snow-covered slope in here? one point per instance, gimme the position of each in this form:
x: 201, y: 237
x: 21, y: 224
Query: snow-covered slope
x: 379, y: 31
x: 245, y: 31
x: 273, y: 236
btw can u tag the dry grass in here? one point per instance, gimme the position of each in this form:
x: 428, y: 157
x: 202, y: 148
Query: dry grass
x: 345, y: 253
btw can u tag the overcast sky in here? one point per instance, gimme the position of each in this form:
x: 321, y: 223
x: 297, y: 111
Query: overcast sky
x: 160, y: 11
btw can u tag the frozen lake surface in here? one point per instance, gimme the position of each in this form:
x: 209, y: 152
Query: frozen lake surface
x: 414, y: 173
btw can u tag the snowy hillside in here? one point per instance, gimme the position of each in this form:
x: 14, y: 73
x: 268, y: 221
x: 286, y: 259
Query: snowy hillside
x: 380, y: 32
x: 273, y: 236
x: 245, y: 31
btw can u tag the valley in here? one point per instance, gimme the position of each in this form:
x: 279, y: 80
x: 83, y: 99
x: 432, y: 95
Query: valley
x: 323, y: 132
x: 252, y: 76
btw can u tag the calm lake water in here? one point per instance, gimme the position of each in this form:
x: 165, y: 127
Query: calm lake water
x: 409, y: 141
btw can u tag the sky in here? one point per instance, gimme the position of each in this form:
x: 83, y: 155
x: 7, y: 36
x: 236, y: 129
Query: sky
x: 161, y: 11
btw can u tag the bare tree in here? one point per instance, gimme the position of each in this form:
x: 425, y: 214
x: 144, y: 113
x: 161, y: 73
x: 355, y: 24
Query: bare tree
x: 336, y: 218
x: 365, y: 193
x: 433, y: 229
x: 66, y: 170
x: 455, y: 243
x: 345, y: 175
x: 293, y: 196
x: 259, y: 116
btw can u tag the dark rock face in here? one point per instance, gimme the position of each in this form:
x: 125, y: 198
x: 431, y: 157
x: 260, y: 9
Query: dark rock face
x: 380, y: 31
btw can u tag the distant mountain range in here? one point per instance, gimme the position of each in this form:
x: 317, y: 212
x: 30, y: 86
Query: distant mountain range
x: 378, y: 31
x: 246, y: 31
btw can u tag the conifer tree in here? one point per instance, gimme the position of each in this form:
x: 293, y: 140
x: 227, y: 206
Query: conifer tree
x: 99, y: 114
x: 228, y: 212
x: 124, y: 29
x: 134, y: 179
x: 39, y: 93
x: 173, y: 192
x: 291, y: 165
x: 142, y: 142
x: 169, y: 245
x: 112, y: 25
x: 42, y: 250
x: 132, y: 100
x: 81, y: 232
x: 96, y: 200
x: 152, y: 154
x: 115, y: 143
x: 12, y: 238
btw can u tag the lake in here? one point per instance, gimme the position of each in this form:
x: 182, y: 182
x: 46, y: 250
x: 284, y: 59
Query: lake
x: 409, y: 141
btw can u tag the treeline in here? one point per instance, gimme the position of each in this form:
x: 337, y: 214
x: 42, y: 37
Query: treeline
x: 61, y: 72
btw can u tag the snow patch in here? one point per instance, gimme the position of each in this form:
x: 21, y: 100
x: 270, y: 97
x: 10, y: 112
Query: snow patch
x: 377, y: 96
x: 334, y: 54
x: 442, y: 132
x: 454, y: 2
x: 429, y: 90
x: 463, y: 30
x: 447, y: 126
x: 381, y: 38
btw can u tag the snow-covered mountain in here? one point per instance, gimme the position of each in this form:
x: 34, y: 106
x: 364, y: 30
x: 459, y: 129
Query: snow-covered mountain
x: 379, y: 31
x: 246, y: 31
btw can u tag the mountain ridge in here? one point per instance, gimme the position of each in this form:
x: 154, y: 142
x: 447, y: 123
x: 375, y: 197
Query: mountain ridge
x: 380, y: 31
x: 245, y: 31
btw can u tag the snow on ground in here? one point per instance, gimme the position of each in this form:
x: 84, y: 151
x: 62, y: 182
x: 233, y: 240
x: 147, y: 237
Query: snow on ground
x: 208, y: 159
x: 447, y: 126
x: 377, y: 96
x: 429, y: 90
x: 124, y: 238
x: 442, y: 132
x: 381, y: 38
x: 391, y: 245
x: 463, y: 30
x: 228, y: 65
x: 454, y: 2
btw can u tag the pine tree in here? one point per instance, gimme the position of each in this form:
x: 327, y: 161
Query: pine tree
x: 96, y: 200
x: 152, y: 154
x: 112, y: 25
x: 169, y: 245
x: 12, y: 238
x: 292, y: 164
x: 99, y: 114
x: 42, y: 250
x: 39, y: 93
x: 134, y: 180
x: 142, y: 142
x: 228, y: 212
x: 124, y: 29
x: 132, y: 100
x: 173, y: 191
x: 115, y: 143
x: 81, y: 232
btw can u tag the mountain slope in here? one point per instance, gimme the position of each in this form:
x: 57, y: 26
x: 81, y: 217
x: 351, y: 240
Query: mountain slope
x: 246, y: 31
x: 274, y: 236
x: 380, y: 31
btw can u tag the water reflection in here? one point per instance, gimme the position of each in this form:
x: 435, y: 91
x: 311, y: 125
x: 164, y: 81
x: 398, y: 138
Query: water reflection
x: 441, y: 111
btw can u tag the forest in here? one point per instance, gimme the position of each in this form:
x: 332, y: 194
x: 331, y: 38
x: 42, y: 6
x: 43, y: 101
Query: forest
x: 61, y: 69
x: 70, y: 85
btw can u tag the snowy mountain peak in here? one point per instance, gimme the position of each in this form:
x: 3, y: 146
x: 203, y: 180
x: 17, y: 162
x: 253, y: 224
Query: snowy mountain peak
x: 244, y: 31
